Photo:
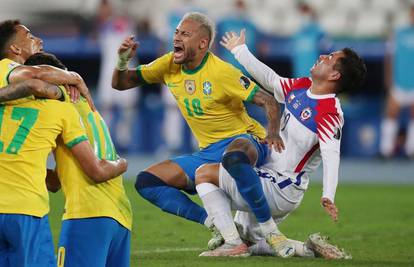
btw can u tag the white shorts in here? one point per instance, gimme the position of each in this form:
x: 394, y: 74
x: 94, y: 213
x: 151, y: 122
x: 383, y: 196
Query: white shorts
x: 281, y: 201
x: 403, y: 97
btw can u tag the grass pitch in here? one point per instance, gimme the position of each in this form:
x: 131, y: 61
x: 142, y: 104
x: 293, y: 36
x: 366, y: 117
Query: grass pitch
x: 376, y: 225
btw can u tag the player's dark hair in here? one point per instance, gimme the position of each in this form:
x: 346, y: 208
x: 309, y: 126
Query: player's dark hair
x: 42, y: 58
x: 352, y: 69
x: 7, y: 32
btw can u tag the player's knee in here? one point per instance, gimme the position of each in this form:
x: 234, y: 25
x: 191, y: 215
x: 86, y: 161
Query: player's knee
x: 233, y: 158
x: 207, y: 173
x: 146, y: 182
x: 246, y: 146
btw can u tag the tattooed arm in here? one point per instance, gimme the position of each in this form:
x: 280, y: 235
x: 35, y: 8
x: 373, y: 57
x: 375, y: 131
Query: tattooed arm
x: 29, y: 87
x: 271, y: 107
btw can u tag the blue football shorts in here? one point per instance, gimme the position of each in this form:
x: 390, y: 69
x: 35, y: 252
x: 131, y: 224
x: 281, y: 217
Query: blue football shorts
x: 214, y: 152
x: 97, y: 242
x: 26, y: 240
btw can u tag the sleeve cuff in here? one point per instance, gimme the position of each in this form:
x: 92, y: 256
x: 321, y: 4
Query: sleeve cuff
x: 76, y: 141
x: 140, y: 77
x: 252, y: 93
x: 239, y: 48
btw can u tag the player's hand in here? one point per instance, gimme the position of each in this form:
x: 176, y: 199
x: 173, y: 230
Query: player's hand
x: 128, y: 48
x: 83, y: 90
x: 73, y: 93
x: 230, y: 40
x: 330, y: 208
x: 274, y: 141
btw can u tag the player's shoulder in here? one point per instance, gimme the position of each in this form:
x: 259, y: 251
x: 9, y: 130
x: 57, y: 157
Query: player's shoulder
x: 330, y: 109
x: 220, y: 64
x: 291, y: 84
x: 167, y: 60
x: 224, y: 69
x: 56, y: 106
x: 300, y: 83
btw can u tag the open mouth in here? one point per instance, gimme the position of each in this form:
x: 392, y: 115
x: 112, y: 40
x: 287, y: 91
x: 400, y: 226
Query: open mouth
x: 178, y: 51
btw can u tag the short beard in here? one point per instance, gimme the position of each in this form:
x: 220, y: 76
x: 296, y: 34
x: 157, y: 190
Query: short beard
x: 191, y: 53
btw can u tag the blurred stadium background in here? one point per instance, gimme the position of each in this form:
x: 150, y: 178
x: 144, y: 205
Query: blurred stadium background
x: 75, y: 30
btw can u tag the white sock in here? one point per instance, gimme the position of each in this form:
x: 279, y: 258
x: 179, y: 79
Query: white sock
x: 268, y: 227
x: 409, y: 143
x: 389, y: 131
x: 209, y: 221
x: 217, y: 206
x: 301, y: 250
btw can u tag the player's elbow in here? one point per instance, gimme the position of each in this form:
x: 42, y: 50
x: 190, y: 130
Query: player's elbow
x: 97, y: 174
x: 105, y: 170
x: 115, y: 84
x: 119, y: 85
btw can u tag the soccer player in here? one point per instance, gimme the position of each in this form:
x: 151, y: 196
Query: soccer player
x: 97, y: 221
x: 311, y: 129
x: 399, y: 80
x: 17, y: 43
x: 210, y: 95
x: 28, y: 130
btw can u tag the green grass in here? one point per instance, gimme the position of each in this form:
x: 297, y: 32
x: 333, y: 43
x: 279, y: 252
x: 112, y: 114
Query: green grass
x: 376, y: 224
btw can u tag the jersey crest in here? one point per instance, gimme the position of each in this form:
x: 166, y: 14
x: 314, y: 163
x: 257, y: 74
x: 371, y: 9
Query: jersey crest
x: 306, y: 114
x: 190, y: 86
x: 207, y: 88
x: 245, y: 82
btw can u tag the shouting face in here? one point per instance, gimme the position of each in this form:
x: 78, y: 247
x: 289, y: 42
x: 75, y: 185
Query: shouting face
x: 188, y: 41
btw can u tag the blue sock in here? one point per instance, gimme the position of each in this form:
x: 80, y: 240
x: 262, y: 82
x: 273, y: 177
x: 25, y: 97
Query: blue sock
x: 248, y: 183
x: 168, y: 198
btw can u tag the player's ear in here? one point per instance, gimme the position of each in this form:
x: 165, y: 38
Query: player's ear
x: 334, y: 76
x: 15, y: 49
x: 203, y: 43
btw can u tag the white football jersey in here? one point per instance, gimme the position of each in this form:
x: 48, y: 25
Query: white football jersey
x: 311, y: 127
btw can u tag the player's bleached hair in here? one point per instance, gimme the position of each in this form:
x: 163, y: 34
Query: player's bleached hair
x: 206, y: 23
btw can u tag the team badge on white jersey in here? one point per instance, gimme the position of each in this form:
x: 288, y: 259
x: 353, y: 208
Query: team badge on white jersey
x: 306, y: 114
x: 190, y: 86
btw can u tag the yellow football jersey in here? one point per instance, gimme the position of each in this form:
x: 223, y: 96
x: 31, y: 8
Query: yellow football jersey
x: 85, y: 198
x: 27, y: 135
x: 210, y: 97
x: 6, y: 66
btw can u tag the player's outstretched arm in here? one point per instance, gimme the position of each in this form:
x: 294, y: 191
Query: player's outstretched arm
x: 258, y: 70
x: 98, y: 170
x: 52, y: 75
x: 268, y: 102
x: 122, y: 77
x: 30, y: 87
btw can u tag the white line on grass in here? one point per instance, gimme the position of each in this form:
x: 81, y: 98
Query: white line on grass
x: 165, y: 250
